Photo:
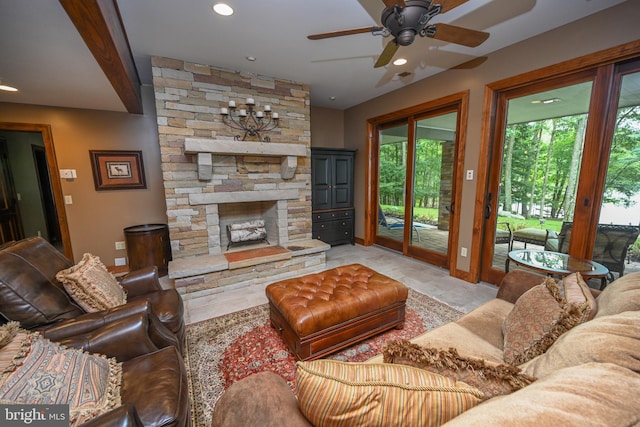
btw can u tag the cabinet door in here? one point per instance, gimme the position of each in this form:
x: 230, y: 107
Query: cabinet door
x: 342, y: 181
x: 321, y: 172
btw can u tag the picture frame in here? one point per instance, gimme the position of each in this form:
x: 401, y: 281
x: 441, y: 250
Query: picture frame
x: 117, y: 170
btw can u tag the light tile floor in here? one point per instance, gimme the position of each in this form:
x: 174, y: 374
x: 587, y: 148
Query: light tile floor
x: 425, y: 278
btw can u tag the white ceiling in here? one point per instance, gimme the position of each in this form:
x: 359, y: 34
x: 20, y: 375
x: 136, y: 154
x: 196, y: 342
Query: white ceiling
x: 44, y: 56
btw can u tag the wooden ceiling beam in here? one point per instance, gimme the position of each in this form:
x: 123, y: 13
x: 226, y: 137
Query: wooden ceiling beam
x: 100, y: 25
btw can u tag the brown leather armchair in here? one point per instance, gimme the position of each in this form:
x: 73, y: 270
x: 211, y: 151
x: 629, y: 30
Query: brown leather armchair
x: 154, y: 390
x: 123, y: 335
x: 31, y: 295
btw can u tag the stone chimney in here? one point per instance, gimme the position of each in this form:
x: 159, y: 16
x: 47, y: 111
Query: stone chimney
x: 211, y: 179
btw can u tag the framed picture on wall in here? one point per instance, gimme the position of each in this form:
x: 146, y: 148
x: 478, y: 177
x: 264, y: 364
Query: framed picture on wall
x: 117, y: 170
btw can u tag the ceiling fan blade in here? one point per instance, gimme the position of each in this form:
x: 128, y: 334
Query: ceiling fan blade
x: 447, y: 5
x: 458, y: 35
x: 386, y: 55
x: 391, y: 3
x: 475, y: 62
x: 344, y: 33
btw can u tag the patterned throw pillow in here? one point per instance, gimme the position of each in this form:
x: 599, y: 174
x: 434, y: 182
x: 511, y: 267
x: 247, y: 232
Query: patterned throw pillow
x: 43, y: 373
x: 492, y: 380
x: 91, y: 285
x: 332, y: 393
x: 536, y: 321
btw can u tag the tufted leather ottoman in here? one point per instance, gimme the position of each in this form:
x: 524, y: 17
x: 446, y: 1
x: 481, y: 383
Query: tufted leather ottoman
x: 321, y: 313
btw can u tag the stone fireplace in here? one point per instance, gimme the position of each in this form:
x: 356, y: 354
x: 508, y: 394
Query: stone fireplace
x: 212, y: 180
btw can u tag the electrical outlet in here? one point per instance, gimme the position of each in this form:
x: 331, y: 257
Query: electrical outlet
x: 120, y: 261
x: 68, y: 200
x: 120, y: 246
x: 463, y: 252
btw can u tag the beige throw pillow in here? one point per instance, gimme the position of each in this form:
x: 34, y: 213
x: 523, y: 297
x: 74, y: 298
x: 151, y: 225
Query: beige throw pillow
x: 91, y: 285
x: 536, y: 321
x: 589, y: 395
x: 612, y: 339
x: 575, y: 291
x: 332, y: 393
x: 623, y: 294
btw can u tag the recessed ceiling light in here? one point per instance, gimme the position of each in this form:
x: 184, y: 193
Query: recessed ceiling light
x: 546, y: 101
x: 222, y: 9
x: 251, y: 58
x: 8, y: 88
x: 332, y: 98
x: 400, y: 61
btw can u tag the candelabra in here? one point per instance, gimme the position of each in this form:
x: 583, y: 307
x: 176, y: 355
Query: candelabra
x: 249, y: 120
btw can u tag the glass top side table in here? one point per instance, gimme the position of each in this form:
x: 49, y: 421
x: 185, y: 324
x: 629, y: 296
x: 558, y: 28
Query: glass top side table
x: 557, y: 264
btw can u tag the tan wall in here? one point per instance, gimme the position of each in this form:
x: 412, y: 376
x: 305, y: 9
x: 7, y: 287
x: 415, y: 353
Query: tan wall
x: 97, y: 218
x: 327, y: 127
x: 610, y: 28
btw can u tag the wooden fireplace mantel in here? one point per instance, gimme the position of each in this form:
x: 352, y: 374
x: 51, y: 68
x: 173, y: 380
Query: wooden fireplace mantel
x: 205, y: 147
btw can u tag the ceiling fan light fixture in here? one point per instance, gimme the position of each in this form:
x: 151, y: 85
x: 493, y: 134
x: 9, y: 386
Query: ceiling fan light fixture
x: 400, y: 61
x: 223, y: 9
x: 406, y: 37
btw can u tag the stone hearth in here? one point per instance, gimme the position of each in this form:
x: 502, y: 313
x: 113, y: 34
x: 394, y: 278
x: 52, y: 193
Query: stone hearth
x: 195, y: 274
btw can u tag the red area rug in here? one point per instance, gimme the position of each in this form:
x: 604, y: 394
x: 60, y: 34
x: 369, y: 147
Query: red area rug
x: 226, y: 349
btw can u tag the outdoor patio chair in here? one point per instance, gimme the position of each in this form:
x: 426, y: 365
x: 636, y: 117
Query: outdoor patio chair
x: 504, y: 236
x: 392, y: 223
x: 610, y: 248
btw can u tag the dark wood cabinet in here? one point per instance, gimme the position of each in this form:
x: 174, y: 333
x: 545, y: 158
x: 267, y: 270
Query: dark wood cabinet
x: 332, y: 195
x: 148, y: 245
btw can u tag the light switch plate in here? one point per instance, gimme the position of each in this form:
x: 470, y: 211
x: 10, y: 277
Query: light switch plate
x: 68, y: 173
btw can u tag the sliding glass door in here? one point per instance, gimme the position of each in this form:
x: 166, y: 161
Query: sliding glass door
x: 541, y: 160
x: 416, y: 173
x: 567, y: 158
x: 393, y: 155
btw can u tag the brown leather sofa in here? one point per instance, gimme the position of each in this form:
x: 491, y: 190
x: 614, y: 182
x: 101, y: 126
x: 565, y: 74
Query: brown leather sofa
x: 31, y: 295
x: 154, y: 390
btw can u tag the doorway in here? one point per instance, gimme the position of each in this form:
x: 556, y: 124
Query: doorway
x: 414, y: 174
x: 37, y: 190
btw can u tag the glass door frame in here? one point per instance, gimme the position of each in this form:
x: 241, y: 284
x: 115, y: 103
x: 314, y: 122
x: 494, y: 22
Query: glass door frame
x: 457, y: 103
x: 606, y: 77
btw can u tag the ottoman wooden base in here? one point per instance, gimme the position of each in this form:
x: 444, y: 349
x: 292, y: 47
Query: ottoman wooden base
x: 340, y: 336
x: 313, y: 302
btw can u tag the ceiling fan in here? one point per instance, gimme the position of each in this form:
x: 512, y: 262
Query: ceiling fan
x: 405, y: 19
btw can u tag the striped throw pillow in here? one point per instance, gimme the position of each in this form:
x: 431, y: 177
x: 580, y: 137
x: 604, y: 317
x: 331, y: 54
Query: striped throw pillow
x: 333, y: 393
